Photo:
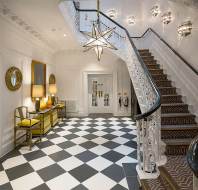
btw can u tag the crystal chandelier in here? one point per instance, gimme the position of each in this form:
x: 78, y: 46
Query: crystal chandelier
x: 98, y: 39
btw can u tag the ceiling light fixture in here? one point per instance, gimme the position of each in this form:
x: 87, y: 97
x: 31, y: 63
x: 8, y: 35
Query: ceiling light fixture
x: 185, y: 29
x: 112, y: 13
x: 99, y: 39
x: 131, y: 20
x: 155, y: 11
x: 64, y: 35
x: 166, y: 17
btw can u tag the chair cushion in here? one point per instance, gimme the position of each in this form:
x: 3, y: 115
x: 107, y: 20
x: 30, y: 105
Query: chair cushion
x: 60, y: 105
x: 28, y: 122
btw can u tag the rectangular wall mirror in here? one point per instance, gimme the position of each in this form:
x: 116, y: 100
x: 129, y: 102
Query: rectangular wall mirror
x: 38, y: 72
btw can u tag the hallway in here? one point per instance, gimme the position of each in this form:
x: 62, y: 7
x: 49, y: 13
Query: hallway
x: 79, y: 154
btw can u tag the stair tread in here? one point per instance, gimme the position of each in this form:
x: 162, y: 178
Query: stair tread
x: 174, y: 104
x: 178, y: 127
x: 176, y: 114
x: 182, y: 141
x: 166, y: 95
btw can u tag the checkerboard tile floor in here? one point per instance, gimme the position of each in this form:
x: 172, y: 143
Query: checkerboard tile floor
x: 78, y: 154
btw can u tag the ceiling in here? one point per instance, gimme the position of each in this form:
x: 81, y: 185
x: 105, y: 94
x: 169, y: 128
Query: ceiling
x: 44, y: 17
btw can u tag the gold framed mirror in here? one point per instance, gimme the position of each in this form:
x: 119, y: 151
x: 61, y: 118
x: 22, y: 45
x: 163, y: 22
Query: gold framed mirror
x: 38, y: 75
x: 13, y: 78
x: 52, y: 79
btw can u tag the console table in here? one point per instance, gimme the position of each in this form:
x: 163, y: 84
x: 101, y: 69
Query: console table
x: 48, y: 118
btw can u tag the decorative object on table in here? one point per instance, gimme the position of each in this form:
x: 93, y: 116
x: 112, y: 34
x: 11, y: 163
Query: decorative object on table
x: 49, y: 102
x: 52, y: 91
x: 13, y: 78
x: 38, y: 76
x: 23, y: 122
x: 37, y: 93
x: 43, y: 104
x: 98, y: 39
x: 192, y: 156
x: 185, y: 29
x: 52, y: 79
x: 61, y: 107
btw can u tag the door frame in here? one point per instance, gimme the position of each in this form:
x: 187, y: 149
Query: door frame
x: 85, y: 88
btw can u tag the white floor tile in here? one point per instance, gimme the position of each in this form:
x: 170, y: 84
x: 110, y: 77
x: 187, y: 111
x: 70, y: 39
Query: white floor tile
x: 99, y: 119
x: 120, y: 140
x: 118, y: 133
x: 100, y: 123
x: 100, y: 127
x: 99, y: 140
x: 63, y: 182
x: 99, y: 163
x: 99, y: 182
x: 51, y: 149
x: 87, y: 119
x: 85, y: 123
x: 67, y: 127
x: 99, y: 133
x: 15, y: 161
x: 124, y: 149
x: 84, y: 127
x: 116, y: 127
x: 26, y: 149
x: 82, y: 133
x: 74, y: 150
x: 114, y: 123
x: 58, y: 140
x: 3, y: 178
x: 41, y: 162
x: 123, y: 182
x: 126, y: 159
x: 79, y: 140
x: 70, y: 163
x: 63, y: 133
x: 27, y: 182
x: 99, y: 150
x: 74, y: 119
x: 113, y: 118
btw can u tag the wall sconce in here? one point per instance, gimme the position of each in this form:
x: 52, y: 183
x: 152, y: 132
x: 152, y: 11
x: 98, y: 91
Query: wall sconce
x: 155, y: 10
x: 131, y: 20
x: 112, y: 13
x: 185, y: 29
x: 166, y: 18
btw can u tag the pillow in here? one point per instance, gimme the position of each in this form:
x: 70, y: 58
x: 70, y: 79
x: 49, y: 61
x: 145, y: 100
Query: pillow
x: 28, y: 122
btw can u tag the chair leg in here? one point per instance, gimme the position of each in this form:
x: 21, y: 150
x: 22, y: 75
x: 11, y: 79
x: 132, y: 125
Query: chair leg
x: 15, y: 143
x: 30, y: 139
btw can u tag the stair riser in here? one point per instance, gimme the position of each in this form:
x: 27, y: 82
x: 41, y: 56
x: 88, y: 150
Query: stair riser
x: 167, y: 91
x: 171, y: 99
x: 175, y: 109
x: 176, y: 149
x: 163, y: 83
x: 177, y: 120
x: 156, y: 72
x: 145, y: 54
x: 181, y: 134
x: 159, y: 77
x: 148, y: 59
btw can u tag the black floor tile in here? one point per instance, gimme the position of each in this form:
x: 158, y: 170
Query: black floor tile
x: 83, y: 172
x: 65, y: 145
x: 131, y: 144
x: 88, y: 144
x: 129, y: 136
x: 6, y: 186
x: 111, y: 144
x: 44, y: 144
x: 109, y: 136
x: 90, y: 136
x: 58, y: 156
x: 86, y: 156
x: 34, y: 155
x: 118, y: 187
x: 71, y: 136
x: 133, y: 183
x: 113, y: 156
x: 130, y: 169
x: 80, y: 187
x: 114, y: 172
x: 50, y: 172
x: 19, y: 171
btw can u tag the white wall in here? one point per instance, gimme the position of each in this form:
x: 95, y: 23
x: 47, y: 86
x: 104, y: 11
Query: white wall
x: 16, y: 49
x: 72, y: 68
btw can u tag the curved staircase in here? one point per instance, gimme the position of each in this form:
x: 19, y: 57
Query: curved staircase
x: 178, y: 128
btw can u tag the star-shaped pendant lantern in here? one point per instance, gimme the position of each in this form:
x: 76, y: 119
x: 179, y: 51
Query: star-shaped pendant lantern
x: 99, y: 40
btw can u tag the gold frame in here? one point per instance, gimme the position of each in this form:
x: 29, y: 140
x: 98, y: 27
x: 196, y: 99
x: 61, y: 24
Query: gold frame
x: 32, y: 75
x: 19, y: 78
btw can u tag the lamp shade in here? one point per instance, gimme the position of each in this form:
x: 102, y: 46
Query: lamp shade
x: 52, y: 89
x: 37, y: 91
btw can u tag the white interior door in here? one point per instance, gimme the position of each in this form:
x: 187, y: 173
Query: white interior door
x: 100, y: 93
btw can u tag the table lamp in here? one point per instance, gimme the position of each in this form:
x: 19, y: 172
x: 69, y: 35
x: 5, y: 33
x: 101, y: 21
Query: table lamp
x: 37, y: 92
x: 53, y: 91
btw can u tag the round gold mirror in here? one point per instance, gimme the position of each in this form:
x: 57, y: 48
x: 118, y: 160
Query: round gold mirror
x: 52, y: 79
x: 13, y: 78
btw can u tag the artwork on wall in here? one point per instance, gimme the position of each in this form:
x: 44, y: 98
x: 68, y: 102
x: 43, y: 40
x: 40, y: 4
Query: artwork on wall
x: 38, y: 72
x: 13, y: 78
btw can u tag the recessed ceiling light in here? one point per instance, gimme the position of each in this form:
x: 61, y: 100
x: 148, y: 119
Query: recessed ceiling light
x: 112, y: 13
x: 155, y: 10
x: 64, y: 35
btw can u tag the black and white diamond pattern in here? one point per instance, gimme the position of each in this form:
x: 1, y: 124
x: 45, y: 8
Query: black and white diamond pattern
x: 79, y: 153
